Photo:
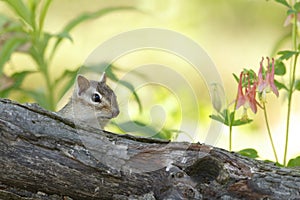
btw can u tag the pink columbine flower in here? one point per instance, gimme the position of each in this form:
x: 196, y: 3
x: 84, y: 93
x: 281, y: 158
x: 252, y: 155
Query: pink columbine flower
x: 246, y: 98
x: 266, y: 83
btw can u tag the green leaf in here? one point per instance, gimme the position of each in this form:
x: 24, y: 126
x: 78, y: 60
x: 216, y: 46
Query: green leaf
x: 285, y: 55
x: 109, y: 71
x: 280, y: 68
x: 297, y: 6
x: 230, y: 120
x: 43, y: 13
x: 239, y: 122
x: 8, y: 48
x: 297, y: 85
x: 33, y: 4
x: 251, y: 153
x: 168, y: 134
x: 91, y: 15
x: 236, y: 77
x: 295, y: 162
x: 218, y: 118
x: 283, y: 2
x: 138, y: 127
x: 223, y: 118
x: 84, y: 17
x: 63, y: 36
x: 280, y: 85
x: 164, y: 134
x: 20, y: 9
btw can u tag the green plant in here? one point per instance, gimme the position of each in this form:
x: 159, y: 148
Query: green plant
x: 27, y: 35
x: 250, y: 84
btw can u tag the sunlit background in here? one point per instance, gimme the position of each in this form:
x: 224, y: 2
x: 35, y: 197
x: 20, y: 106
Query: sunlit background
x: 234, y: 33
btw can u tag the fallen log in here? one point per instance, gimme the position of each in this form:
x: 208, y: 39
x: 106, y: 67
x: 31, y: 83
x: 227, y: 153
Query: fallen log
x: 43, y: 156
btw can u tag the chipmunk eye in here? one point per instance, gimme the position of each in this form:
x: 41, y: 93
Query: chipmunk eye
x: 96, y: 98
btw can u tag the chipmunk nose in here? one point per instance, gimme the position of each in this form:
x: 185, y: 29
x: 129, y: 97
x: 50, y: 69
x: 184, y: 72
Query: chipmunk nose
x: 115, y: 112
x: 114, y: 105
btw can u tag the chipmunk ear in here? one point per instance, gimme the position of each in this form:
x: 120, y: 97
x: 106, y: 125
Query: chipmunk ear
x: 82, y: 84
x: 103, y: 78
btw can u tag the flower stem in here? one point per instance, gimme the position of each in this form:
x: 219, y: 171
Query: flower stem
x: 230, y: 122
x: 291, y: 88
x: 269, y: 132
x: 230, y: 136
x: 289, y: 109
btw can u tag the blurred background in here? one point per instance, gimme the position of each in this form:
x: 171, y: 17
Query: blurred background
x: 234, y: 33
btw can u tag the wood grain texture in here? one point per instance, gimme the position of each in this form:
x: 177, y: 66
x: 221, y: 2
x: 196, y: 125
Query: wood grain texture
x: 43, y: 156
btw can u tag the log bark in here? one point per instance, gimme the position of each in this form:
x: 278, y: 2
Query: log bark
x: 43, y: 156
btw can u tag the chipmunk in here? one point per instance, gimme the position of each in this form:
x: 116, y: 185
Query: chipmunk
x: 93, y: 103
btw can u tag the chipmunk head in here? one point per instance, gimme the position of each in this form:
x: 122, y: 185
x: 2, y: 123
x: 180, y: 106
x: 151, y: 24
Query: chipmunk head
x: 93, y: 99
x: 97, y: 95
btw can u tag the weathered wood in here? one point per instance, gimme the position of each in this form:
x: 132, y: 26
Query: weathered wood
x: 43, y: 156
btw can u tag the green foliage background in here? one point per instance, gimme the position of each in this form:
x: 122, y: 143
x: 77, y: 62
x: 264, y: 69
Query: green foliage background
x: 44, y: 43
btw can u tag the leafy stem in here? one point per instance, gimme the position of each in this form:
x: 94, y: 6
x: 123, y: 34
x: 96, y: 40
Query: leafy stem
x: 291, y: 86
x: 30, y: 37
